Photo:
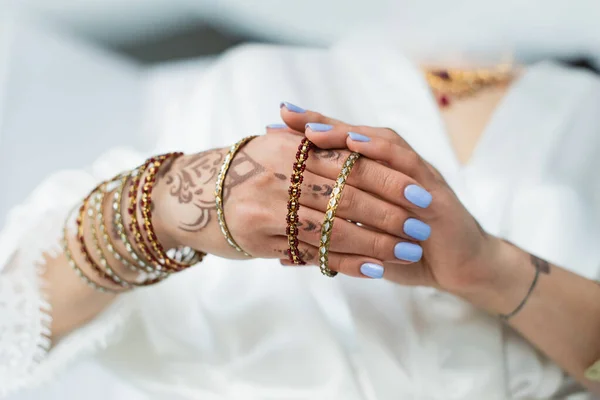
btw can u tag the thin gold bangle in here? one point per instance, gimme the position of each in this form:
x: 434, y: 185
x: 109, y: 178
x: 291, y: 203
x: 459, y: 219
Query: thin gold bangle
x: 334, y: 201
x: 73, y: 264
x: 219, y: 192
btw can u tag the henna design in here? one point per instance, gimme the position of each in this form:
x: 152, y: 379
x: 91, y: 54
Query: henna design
x: 540, y: 265
x: 326, y: 154
x: 192, y: 182
x: 280, y: 176
x: 310, y: 226
x: 323, y: 190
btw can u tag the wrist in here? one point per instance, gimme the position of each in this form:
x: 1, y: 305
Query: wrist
x: 507, y: 278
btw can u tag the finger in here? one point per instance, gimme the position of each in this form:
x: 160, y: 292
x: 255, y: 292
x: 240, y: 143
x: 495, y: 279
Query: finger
x: 300, y: 119
x: 390, y: 184
x: 282, y: 128
x: 297, y: 117
x: 359, y: 206
x: 347, y: 264
x: 350, y: 238
x: 394, y: 156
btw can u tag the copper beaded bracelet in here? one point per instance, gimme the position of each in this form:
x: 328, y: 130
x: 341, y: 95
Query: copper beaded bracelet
x: 146, y: 208
x: 132, y: 211
x: 294, y: 202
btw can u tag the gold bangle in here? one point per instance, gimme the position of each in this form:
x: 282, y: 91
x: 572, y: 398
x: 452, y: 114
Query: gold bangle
x: 73, y: 264
x: 95, y: 205
x: 169, y: 263
x: 334, y: 201
x: 219, y: 192
x: 138, y: 263
x: 143, y: 278
x: 132, y: 210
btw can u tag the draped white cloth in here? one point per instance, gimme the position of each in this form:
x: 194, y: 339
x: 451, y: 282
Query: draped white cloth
x: 254, y: 330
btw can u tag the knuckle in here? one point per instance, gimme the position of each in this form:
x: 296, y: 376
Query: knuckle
x: 390, y: 133
x: 348, y: 201
x: 392, y: 220
x: 412, y: 161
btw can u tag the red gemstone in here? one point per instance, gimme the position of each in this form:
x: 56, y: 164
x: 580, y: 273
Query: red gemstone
x: 444, y: 101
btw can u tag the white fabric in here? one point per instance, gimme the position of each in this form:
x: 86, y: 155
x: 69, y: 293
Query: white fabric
x: 253, y: 330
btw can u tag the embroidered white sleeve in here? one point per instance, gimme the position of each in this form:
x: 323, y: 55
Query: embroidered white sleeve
x: 34, y: 229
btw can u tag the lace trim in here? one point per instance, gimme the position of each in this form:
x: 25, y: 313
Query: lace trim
x: 25, y: 331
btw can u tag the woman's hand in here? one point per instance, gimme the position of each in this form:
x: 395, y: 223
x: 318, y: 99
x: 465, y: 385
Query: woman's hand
x: 256, y: 196
x: 454, y: 256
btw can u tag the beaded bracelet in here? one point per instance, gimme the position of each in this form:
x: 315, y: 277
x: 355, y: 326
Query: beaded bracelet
x: 334, y: 201
x: 132, y: 210
x: 219, y: 193
x: 170, y: 264
x: 73, y: 264
x: 294, y: 202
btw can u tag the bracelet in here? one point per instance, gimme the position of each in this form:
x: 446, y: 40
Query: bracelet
x: 144, y: 279
x: 170, y: 264
x: 95, y: 210
x: 75, y: 267
x: 327, y: 227
x: 219, y: 192
x: 506, y: 317
x: 294, y: 202
x: 132, y: 210
x: 105, y: 274
x: 120, y: 227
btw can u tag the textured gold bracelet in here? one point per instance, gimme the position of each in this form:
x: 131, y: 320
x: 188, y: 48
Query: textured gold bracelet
x: 132, y: 210
x: 139, y: 263
x: 294, y: 201
x: 143, y: 278
x: 334, y: 201
x: 104, y: 274
x: 73, y: 264
x: 94, y: 212
x: 170, y: 264
x: 219, y: 192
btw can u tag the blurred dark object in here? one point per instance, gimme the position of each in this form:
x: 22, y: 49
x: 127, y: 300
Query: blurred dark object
x: 585, y: 63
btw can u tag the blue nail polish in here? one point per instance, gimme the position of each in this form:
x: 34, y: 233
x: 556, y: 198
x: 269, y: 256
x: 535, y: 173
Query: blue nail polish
x: 317, y: 127
x: 357, y: 137
x: 292, y: 107
x: 418, y: 196
x: 416, y: 229
x: 372, y: 270
x: 408, y: 251
x: 277, y: 126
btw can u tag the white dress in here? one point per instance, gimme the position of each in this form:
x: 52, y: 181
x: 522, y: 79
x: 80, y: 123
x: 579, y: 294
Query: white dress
x: 254, y: 330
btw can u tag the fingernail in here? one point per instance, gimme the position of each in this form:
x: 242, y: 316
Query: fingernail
x: 316, y: 127
x: 372, y: 270
x: 417, y: 229
x: 277, y: 126
x: 418, y: 196
x: 292, y: 107
x: 408, y: 251
x: 357, y: 137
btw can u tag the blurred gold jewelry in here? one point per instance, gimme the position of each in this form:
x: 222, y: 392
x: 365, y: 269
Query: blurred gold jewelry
x: 120, y: 227
x: 459, y: 83
x: 73, y: 264
x: 334, y: 201
x: 219, y: 192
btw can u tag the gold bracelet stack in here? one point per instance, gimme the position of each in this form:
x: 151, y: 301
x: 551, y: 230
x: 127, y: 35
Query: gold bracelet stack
x: 294, y: 201
x: 334, y: 201
x: 153, y: 266
x: 219, y: 193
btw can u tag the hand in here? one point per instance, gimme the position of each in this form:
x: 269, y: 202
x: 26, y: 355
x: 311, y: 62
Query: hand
x: 454, y: 257
x: 256, y: 195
